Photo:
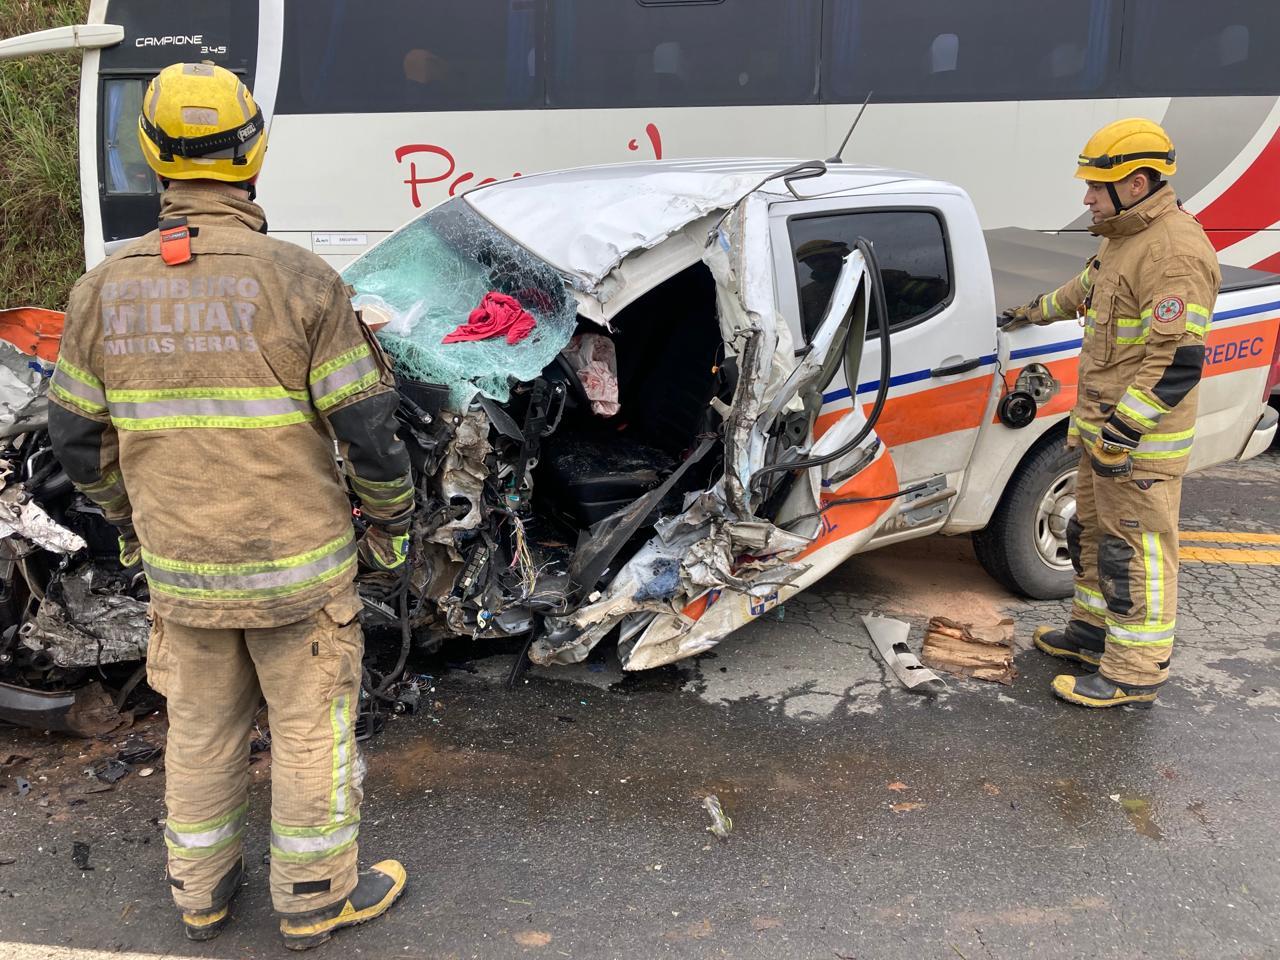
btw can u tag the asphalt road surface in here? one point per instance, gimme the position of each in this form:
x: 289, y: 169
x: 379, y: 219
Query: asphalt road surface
x: 565, y: 819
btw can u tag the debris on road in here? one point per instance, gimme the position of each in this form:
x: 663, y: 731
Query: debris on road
x: 108, y: 770
x: 890, y: 639
x: 906, y: 806
x: 981, y: 651
x: 721, y: 823
x: 80, y: 855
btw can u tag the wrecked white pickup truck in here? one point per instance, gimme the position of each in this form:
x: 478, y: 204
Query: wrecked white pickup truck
x: 700, y: 414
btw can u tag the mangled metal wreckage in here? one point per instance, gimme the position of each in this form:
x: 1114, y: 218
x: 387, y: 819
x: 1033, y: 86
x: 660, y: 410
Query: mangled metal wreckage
x: 666, y: 490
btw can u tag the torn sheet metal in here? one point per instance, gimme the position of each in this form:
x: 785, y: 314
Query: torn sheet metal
x: 634, y: 207
x: 83, y: 623
x: 22, y: 376
x: 463, y: 474
x: 29, y: 521
x: 890, y: 639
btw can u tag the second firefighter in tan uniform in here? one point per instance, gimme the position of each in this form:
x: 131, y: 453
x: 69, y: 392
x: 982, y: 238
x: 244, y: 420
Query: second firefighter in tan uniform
x: 1146, y: 300
x: 205, y: 372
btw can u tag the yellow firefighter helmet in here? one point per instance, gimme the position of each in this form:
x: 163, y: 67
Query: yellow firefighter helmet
x: 1122, y: 147
x: 199, y: 122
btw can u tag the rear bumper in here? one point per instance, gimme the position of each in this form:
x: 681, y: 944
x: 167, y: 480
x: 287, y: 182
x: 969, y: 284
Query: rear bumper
x: 1263, y: 434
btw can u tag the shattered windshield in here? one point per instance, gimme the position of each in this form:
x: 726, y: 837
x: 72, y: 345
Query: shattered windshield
x: 430, y: 276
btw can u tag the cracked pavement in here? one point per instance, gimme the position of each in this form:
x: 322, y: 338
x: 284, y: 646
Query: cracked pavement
x: 565, y: 818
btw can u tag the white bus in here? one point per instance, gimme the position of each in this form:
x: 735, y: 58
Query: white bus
x: 381, y: 108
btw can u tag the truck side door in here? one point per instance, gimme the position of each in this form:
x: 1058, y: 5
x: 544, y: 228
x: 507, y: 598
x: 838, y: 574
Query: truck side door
x: 941, y: 320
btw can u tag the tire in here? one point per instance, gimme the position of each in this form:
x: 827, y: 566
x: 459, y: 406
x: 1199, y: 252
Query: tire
x: 1023, y: 547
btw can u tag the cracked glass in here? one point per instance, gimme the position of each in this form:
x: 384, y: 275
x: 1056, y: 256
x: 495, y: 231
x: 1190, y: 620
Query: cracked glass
x: 428, y: 277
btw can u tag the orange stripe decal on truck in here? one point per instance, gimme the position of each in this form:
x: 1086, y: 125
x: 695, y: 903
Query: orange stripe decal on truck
x: 928, y: 413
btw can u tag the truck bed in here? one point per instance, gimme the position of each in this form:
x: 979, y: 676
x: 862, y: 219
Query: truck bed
x: 1026, y: 263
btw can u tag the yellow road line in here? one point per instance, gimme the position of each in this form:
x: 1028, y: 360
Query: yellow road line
x: 1224, y: 536
x: 1230, y: 555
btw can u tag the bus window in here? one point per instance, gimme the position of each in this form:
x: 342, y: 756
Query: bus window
x: 391, y: 56
x: 944, y: 50
x: 124, y: 168
x: 1192, y: 47
x: 913, y: 256
x: 647, y: 53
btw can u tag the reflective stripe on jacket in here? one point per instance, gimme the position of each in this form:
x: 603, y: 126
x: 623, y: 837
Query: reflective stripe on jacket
x: 203, y: 400
x: 1145, y: 302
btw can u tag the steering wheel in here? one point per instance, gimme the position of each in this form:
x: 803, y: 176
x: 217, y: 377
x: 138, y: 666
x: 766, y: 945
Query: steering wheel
x: 576, y: 389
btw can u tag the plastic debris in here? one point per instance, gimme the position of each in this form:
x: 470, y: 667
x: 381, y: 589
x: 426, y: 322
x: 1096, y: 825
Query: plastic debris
x: 890, y: 640
x: 23, y: 785
x: 80, y: 855
x: 136, y: 750
x: 721, y: 823
x: 108, y: 770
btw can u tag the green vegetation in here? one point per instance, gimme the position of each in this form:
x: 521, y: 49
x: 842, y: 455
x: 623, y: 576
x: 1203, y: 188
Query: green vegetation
x: 41, y: 245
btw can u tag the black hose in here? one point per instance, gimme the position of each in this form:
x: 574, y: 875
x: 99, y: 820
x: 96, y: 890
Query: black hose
x: 846, y: 501
x: 882, y: 390
x: 380, y: 692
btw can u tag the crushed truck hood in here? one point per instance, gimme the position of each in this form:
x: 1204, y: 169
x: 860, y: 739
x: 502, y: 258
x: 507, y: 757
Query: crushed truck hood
x: 585, y: 222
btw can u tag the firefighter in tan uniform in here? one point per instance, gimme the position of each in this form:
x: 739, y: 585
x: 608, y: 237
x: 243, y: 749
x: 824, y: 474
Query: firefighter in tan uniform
x: 1146, y: 300
x: 205, y: 372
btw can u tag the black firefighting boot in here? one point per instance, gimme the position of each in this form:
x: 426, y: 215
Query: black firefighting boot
x: 1082, y: 642
x: 374, y: 893
x: 1095, y: 690
x: 207, y: 924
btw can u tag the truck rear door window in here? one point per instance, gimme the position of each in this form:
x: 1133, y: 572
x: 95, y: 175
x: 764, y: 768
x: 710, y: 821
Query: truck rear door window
x: 910, y: 244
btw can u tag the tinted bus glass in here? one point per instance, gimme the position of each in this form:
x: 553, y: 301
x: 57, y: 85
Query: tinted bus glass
x: 627, y: 53
x: 388, y: 56
x: 1202, y: 48
x: 913, y: 262
x: 125, y: 169
x: 160, y: 32
x: 951, y: 50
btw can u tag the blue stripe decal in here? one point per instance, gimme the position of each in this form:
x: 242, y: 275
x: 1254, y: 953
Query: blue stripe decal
x: 1046, y: 348
x: 1070, y: 344
x: 915, y: 377
x: 1247, y: 311
x: 918, y: 375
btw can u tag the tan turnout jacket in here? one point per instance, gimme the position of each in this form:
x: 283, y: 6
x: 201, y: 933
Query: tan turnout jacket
x: 201, y: 401
x: 1147, y: 298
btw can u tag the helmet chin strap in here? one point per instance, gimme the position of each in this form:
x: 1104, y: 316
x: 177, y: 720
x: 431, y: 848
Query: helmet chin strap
x: 1115, y: 196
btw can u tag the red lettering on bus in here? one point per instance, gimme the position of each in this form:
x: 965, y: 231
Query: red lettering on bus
x: 415, y: 180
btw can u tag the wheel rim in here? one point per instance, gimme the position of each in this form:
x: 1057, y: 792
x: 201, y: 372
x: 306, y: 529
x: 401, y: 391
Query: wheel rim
x: 1056, y: 509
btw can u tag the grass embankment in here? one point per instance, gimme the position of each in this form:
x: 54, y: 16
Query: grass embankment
x: 41, y: 244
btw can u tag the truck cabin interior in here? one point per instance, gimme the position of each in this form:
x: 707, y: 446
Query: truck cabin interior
x: 563, y: 470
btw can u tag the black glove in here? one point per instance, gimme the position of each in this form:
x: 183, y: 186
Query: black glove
x: 1015, y: 317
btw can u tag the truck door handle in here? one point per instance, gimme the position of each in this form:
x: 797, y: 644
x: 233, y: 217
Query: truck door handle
x: 964, y: 366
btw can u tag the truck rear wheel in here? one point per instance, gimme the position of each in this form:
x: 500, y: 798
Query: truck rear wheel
x: 1024, y: 547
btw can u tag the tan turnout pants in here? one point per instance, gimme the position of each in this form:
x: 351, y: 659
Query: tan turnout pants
x: 1124, y: 545
x: 309, y: 673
